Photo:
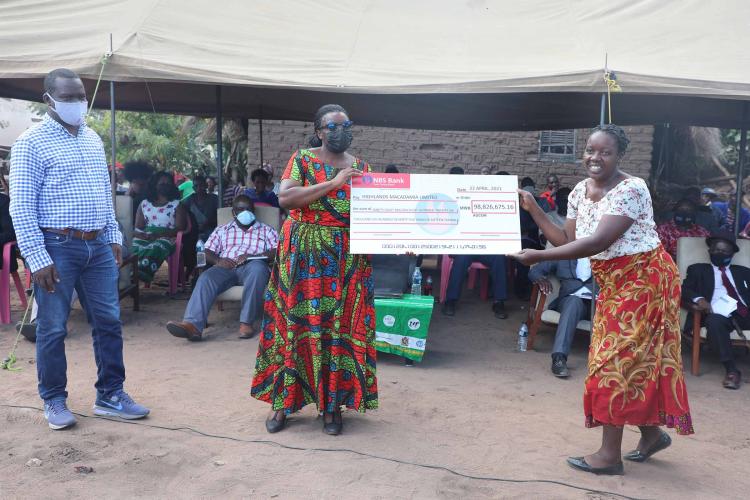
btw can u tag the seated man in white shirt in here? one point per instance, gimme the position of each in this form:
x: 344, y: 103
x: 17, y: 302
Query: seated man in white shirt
x: 240, y: 252
x: 721, y: 291
x: 573, y: 303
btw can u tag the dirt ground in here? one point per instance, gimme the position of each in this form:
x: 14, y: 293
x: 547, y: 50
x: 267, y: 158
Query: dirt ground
x: 474, y: 406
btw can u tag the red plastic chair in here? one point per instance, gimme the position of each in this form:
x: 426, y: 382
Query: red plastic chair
x: 474, y: 268
x: 175, y: 269
x: 174, y: 262
x: 8, y: 256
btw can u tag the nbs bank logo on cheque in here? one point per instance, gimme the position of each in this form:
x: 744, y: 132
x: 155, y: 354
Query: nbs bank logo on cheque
x: 386, y: 181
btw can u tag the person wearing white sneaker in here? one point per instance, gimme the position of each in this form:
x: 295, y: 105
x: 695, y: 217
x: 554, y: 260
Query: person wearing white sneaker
x: 61, y: 205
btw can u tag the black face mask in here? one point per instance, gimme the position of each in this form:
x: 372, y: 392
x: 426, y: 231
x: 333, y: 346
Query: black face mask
x: 720, y: 259
x: 165, y: 190
x: 339, y: 140
x: 684, y: 218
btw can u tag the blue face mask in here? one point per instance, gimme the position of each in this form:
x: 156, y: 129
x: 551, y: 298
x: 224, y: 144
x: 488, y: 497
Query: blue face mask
x: 246, y: 217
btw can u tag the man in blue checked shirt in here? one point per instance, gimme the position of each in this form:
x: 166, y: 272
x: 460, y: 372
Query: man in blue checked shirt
x: 61, y: 205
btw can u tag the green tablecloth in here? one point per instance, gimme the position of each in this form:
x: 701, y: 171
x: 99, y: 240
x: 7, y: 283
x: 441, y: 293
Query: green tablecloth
x: 402, y: 325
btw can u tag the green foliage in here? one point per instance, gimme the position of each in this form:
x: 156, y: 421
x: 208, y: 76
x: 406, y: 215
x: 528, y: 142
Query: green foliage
x: 730, y: 139
x: 185, y: 144
x: 168, y: 142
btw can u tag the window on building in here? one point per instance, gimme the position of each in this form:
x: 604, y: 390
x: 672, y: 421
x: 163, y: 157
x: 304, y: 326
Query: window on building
x: 557, y: 145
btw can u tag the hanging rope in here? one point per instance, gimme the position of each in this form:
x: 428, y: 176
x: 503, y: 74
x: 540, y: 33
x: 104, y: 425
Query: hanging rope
x: 105, y: 59
x: 612, y: 86
x: 10, y: 360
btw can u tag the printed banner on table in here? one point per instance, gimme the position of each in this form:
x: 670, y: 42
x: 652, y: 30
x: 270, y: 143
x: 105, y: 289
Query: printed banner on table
x: 402, y: 325
x: 435, y: 214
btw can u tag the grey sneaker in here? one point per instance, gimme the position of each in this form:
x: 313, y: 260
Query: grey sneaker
x: 119, y: 404
x: 57, y: 414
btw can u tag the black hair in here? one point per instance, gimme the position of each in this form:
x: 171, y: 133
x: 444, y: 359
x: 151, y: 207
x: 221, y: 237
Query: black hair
x: 686, y: 201
x: 315, y: 141
x: 693, y: 192
x: 243, y: 197
x: 502, y: 172
x: 527, y: 181
x: 137, y: 169
x: 152, y: 192
x: 614, y: 131
x: 199, y: 178
x: 456, y: 171
x: 391, y: 169
x: 211, y: 177
x: 258, y: 172
x: 561, y: 200
x: 52, y: 76
x: 553, y: 175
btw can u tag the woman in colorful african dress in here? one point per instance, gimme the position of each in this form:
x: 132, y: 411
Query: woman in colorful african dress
x: 319, y: 322
x: 635, y: 368
x: 157, y: 221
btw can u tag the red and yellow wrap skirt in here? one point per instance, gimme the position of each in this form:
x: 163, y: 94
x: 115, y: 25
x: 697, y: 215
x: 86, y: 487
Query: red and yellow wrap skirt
x: 635, y: 372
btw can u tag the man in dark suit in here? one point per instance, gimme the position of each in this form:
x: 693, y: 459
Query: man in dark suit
x: 714, y: 289
x: 573, y: 302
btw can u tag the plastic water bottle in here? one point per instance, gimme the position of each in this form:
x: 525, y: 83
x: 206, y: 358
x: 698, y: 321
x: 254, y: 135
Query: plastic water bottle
x: 428, y: 286
x: 416, y: 282
x: 523, y: 337
x: 200, y: 253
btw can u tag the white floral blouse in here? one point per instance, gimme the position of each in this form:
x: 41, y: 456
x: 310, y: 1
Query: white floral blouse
x: 163, y: 217
x: 629, y: 198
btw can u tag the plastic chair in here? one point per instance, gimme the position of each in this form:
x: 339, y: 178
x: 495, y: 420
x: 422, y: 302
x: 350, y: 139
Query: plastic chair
x: 8, y: 256
x: 540, y: 313
x: 474, y: 268
x: 693, y: 251
x: 174, y: 262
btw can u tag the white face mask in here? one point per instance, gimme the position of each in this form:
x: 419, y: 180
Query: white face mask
x: 246, y: 217
x: 71, y: 113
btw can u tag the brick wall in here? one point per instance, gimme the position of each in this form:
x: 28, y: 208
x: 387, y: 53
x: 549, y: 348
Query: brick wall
x: 436, y: 151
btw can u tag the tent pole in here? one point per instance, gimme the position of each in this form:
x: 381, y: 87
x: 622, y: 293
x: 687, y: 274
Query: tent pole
x: 260, y: 134
x: 219, y: 146
x: 112, y: 136
x: 113, y: 141
x: 602, y: 109
x: 740, y: 171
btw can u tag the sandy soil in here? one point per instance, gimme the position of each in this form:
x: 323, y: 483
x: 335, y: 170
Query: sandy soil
x: 474, y: 405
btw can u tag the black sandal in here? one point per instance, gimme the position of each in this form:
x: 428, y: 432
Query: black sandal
x: 662, y: 443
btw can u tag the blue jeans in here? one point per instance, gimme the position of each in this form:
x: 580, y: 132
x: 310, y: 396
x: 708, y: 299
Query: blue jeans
x: 461, y: 263
x: 216, y: 280
x: 88, y: 267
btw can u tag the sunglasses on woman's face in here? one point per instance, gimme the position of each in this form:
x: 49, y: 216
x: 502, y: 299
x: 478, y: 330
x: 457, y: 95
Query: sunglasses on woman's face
x: 331, y: 126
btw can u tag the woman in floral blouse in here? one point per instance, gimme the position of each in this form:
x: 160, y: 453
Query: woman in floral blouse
x: 635, y: 368
x: 158, y: 220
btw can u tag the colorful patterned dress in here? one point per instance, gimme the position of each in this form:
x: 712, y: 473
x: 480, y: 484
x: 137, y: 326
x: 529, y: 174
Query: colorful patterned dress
x: 635, y: 366
x: 319, y: 322
x: 151, y: 253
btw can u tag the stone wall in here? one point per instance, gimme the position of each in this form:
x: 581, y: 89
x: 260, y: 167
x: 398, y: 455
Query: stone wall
x: 436, y: 151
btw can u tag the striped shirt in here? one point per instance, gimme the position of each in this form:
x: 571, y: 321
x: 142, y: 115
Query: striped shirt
x: 60, y: 181
x: 230, y: 241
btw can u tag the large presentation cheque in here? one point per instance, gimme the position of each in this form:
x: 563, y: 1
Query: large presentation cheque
x: 435, y: 214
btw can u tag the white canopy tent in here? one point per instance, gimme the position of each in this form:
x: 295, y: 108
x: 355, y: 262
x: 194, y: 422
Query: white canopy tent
x: 469, y: 65
x: 465, y: 65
